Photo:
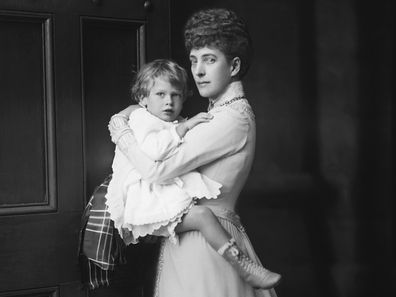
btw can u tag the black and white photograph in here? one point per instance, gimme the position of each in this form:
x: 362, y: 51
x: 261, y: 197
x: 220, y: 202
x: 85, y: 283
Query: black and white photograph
x: 197, y: 148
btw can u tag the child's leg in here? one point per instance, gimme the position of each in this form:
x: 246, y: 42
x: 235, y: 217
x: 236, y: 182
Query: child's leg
x: 201, y: 218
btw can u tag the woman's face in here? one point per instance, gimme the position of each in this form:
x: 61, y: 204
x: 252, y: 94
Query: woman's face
x: 211, y: 70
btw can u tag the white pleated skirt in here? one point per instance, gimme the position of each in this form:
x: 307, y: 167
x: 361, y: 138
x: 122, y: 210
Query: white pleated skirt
x: 193, y: 268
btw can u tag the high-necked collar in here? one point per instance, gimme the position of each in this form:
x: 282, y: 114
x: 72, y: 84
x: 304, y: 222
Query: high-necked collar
x: 234, y: 89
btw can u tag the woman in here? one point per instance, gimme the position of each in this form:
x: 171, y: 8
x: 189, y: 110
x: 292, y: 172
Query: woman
x: 222, y: 149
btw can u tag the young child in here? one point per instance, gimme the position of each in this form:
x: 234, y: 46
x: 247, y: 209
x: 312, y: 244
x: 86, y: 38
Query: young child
x: 140, y: 207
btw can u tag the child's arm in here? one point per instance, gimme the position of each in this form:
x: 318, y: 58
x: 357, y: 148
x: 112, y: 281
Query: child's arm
x: 158, y: 145
x: 156, y: 138
x: 200, y: 147
x: 183, y: 127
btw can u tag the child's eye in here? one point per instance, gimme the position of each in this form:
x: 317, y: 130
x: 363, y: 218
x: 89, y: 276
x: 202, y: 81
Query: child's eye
x: 176, y: 95
x: 161, y: 94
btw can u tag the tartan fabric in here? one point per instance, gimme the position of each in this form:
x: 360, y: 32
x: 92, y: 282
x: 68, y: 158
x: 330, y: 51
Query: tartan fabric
x: 100, y: 246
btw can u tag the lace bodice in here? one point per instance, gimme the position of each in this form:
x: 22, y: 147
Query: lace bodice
x: 243, y: 107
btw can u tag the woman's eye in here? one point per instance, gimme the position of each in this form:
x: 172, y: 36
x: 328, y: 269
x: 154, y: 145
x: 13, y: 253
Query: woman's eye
x: 160, y: 94
x: 210, y: 60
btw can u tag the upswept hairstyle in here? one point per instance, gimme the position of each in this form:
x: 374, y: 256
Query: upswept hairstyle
x: 167, y: 69
x: 223, y: 29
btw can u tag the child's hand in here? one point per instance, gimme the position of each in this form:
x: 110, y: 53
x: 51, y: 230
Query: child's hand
x: 202, y: 117
x: 183, y: 127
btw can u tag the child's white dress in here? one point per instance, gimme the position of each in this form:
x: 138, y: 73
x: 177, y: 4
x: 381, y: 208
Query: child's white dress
x: 146, y: 208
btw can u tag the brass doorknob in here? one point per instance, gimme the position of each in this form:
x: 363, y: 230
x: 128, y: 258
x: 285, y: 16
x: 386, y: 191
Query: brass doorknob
x: 147, y: 5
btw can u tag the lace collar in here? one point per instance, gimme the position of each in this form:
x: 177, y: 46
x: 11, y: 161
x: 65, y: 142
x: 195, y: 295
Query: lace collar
x: 234, y: 92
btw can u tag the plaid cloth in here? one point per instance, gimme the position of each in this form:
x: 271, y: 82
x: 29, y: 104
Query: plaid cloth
x: 100, y: 246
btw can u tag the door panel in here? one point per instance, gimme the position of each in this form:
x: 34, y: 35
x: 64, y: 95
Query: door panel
x: 65, y: 68
x: 115, y: 45
x: 27, y: 99
x: 42, y: 292
x: 38, y: 250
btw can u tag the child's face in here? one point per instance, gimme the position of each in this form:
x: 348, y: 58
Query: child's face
x: 165, y: 100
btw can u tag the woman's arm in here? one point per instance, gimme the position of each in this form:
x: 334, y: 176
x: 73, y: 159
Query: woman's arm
x: 225, y: 134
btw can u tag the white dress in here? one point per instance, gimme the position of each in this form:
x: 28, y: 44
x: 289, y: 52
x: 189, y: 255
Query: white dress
x: 153, y: 208
x: 223, y: 150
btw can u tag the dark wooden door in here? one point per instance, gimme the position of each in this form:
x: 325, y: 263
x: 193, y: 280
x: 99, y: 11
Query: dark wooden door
x: 65, y: 68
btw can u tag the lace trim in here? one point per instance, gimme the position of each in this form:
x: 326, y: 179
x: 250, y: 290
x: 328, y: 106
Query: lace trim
x: 243, y: 107
x: 170, y: 225
x: 211, y: 194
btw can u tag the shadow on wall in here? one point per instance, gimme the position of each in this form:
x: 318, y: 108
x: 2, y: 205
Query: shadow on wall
x: 375, y: 207
x: 329, y: 230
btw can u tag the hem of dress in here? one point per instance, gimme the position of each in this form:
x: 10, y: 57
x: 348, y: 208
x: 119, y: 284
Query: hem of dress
x: 170, y: 226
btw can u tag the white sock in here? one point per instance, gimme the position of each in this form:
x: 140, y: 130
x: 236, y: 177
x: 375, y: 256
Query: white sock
x: 226, y: 246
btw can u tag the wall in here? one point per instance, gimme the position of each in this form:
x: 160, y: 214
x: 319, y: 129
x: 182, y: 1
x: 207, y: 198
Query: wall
x: 318, y: 204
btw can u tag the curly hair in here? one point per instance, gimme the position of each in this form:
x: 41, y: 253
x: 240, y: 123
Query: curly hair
x: 223, y: 29
x: 168, y: 69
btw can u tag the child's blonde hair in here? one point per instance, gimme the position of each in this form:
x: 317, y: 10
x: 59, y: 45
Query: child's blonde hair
x: 168, y: 69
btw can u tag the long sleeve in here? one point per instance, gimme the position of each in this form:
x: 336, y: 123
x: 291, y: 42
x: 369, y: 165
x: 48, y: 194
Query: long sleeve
x: 156, y: 138
x: 225, y: 134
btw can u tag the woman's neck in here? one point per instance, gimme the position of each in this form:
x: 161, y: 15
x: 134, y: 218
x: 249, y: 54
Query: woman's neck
x: 234, y: 89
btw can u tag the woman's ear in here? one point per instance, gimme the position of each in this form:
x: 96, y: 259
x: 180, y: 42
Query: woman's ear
x: 235, y: 66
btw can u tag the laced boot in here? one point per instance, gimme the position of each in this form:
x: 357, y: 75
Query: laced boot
x: 254, y: 274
